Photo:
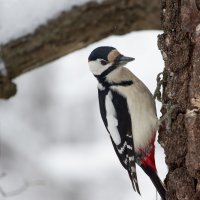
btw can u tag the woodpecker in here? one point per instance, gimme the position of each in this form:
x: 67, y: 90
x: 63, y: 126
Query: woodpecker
x: 128, y: 111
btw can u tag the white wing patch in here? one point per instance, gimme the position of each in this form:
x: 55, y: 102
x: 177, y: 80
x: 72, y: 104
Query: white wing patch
x: 121, y: 150
x: 100, y: 86
x: 112, y: 120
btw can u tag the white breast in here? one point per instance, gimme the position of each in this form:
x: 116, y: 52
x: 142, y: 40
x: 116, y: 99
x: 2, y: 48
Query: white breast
x: 112, y: 119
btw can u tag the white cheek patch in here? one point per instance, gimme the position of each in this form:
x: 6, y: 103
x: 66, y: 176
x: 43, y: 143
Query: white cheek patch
x: 112, y: 120
x: 96, y: 68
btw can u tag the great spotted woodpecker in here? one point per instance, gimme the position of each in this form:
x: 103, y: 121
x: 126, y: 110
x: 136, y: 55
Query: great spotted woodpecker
x: 128, y: 111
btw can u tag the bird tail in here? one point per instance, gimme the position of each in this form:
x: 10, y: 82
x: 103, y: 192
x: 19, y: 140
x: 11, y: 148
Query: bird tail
x: 155, y: 180
x: 134, y: 181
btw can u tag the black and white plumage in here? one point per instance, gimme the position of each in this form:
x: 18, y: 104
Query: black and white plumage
x: 128, y: 112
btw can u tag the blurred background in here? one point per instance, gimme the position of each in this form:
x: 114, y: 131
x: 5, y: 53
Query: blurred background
x: 51, y: 133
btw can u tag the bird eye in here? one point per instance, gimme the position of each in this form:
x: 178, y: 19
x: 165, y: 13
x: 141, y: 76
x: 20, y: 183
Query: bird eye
x: 103, y: 62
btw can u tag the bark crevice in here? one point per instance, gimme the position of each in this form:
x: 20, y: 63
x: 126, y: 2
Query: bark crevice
x: 181, y: 46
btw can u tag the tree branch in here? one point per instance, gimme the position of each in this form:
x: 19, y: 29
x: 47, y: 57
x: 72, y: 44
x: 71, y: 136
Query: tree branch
x: 76, y: 29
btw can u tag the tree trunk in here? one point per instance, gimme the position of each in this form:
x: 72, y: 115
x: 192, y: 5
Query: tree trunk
x: 73, y: 30
x: 180, y: 133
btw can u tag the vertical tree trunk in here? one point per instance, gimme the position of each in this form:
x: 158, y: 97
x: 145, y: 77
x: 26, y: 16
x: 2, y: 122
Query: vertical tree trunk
x: 180, y: 133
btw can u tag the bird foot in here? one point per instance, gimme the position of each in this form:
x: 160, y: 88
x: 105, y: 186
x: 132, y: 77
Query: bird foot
x: 157, y: 94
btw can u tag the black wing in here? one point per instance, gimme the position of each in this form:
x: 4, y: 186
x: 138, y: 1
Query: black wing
x: 124, y: 150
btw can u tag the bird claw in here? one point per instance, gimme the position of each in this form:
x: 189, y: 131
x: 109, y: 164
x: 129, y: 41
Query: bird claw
x: 157, y: 94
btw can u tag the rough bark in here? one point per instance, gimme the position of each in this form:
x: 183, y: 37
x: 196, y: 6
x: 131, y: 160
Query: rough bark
x: 76, y: 29
x: 180, y: 133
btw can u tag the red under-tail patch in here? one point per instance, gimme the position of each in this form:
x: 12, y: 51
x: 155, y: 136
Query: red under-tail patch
x: 149, y: 160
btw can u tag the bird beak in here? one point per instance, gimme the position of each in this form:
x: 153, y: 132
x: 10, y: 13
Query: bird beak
x: 122, y: 60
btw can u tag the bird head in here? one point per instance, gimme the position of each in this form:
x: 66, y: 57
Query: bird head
x: 105, y: 58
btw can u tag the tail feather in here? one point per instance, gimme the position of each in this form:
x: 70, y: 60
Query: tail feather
x: 155, y: 180
x: 132, y: 169
x: 134, y: 182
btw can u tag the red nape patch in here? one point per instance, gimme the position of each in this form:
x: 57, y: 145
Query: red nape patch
x: 149, y: 160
